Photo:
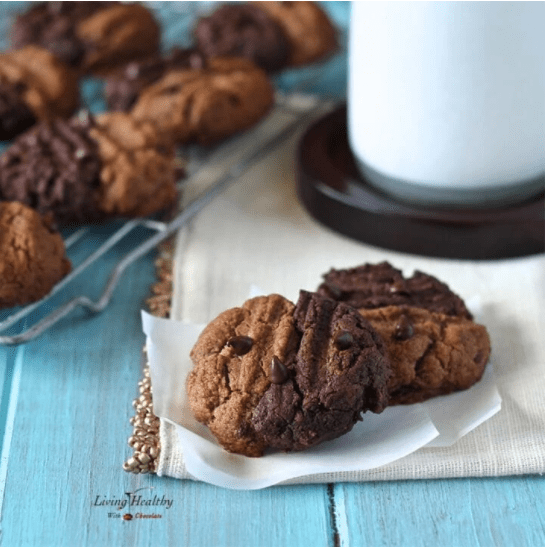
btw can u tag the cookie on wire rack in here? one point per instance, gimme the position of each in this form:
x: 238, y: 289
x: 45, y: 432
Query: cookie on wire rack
x: 32, y: 255
x: 88, y: 169
x: 91, y: 37
x: 34, y: 86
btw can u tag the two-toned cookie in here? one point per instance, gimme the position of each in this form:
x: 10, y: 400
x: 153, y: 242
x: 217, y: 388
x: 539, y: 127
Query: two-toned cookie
x: 32, y: 255
x: 274, y: 35
x: 207, y: 101
x: 89, y: 168
x: 91, y: 37
x: 433, y: 344
x: 34, y: 86
x: 271, y: 374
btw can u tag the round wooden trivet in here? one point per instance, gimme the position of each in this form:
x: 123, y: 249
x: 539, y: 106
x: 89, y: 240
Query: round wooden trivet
x: 334, y: 192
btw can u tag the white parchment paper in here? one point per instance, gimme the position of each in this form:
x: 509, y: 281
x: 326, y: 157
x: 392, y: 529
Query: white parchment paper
x: 377, y: 440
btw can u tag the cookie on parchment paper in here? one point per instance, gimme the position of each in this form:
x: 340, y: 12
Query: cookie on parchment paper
x: 371, y: 286
x: 274, y: 375
x: 431, y: 354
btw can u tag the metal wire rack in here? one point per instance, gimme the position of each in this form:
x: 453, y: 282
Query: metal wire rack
x: 209, y: 172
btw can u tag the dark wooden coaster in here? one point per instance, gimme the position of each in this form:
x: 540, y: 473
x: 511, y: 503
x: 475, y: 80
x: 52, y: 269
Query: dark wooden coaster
x: 334, y: 192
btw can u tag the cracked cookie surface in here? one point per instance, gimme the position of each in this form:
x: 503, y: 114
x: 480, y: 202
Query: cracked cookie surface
x: 32, y: 255
x: 205, y: 105
x: 431, y: 354
x: 371, y: 286
x: 243, y: 30
x: 34, y: 86
x: 271, y: 374
x: 89, y: 36
x: 306, y: 26
x: 88, y: 169
x: 122, y: 89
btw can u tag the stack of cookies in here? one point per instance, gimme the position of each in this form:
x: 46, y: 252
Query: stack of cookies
x: 274, y: 375
x: 78, y: 168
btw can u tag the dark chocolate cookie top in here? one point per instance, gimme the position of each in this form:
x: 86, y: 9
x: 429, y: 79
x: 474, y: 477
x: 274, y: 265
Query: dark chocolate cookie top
x: 54, y: 168
x: 123, y: 88
x: 271, y: 374
x: 372, y: 286
x: 52, y: 25
x: 338, y: 372
x: 15, y: 115
x: 243, y: 30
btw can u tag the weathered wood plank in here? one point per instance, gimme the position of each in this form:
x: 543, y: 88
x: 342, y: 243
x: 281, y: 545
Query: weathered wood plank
x: 438, y: 513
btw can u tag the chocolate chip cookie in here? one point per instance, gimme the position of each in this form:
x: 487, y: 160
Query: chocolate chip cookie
x: 271, y: 374
x: 243, y: 30
x: 123, y: 88
x: 89, y: 36
x: 32, y: 255
x: 371, y: 286
x: 34, y: 86
x: 207, y: 104
x: 431, y: 353
x: 306, y: 26
x: 88, y: 169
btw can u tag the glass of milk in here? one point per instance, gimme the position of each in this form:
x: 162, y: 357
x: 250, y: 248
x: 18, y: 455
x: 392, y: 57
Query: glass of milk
x: 446, y: 100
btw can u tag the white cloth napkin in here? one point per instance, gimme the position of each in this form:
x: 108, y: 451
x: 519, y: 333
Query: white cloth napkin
x: 257, y: 232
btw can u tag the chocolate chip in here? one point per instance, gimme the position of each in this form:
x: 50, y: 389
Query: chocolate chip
x: 479, y: 357
x: 280, y: 373
x: 343, y: 341
x: 241, y: 344
x: 404, y: 329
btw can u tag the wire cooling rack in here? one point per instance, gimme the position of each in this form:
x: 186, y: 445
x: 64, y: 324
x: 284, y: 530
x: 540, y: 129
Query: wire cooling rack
x: 209, y: 171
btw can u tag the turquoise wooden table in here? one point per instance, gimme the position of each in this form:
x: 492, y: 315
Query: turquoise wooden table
x: 64, y: 410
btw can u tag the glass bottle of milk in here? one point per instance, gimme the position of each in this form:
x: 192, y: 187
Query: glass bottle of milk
x: 446, y: 100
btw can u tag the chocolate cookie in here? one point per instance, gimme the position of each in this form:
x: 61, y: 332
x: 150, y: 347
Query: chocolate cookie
x: 372, y: 286
x: 123, y: 88
x: 309, y: 31
x: 243, y: 30
x: 89, y: 36
x: 207, y: 104
x: 86, y: 169
x: 32, y: 255
x: 431, y: 354
x: 271, y: 374
x: 34, y: 86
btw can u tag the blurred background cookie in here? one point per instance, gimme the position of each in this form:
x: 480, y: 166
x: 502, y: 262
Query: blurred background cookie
x: 34, y: 85
x: 244, y: 30
x: 86, y: 169
x: 89, y: 36
x: 123, y: 87
x: 205, y: 105
x: 431, y: 354
x: 32, y: 255
x: 271, y: 374
x: 308, y: 29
